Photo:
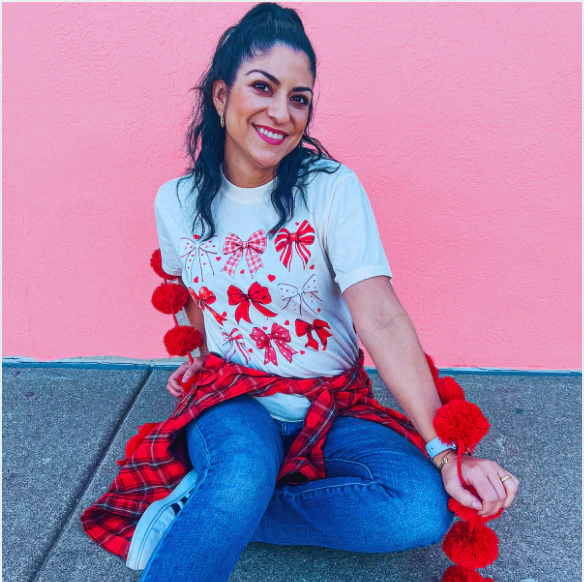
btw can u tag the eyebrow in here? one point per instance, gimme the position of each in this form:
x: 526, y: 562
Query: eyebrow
x: 274, y: 80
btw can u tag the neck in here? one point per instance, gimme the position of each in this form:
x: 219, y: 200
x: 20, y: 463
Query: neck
x: 246, y: 176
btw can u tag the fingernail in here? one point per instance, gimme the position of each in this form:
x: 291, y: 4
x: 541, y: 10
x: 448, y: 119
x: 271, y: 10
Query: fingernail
x: 476, y: 505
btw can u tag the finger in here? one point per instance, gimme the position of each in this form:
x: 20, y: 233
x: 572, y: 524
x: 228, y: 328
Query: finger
x: 511, y: 486
x: 178, y: 372
x: 463, y: 496
x: 486, y: 492
x: 192, y: 371
x: 173, y: 392
x: 500, y: 490
x: 174, y: 384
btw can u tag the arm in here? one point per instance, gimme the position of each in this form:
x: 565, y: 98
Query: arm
x: 386, y: 331
x: 196, y: 318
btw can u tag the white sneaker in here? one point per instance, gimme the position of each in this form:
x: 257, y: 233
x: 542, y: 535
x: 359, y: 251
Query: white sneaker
x: 155, y: 521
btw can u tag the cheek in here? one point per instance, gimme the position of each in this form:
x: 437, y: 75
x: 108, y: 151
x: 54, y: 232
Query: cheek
x: 300, y: 119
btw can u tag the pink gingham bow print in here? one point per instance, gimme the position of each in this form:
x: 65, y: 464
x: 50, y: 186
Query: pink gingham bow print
x: 254, y: 246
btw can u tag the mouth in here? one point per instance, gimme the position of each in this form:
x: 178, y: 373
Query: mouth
x: 271, y: 137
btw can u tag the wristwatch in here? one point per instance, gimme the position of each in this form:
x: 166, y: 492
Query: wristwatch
x: 436, y: 446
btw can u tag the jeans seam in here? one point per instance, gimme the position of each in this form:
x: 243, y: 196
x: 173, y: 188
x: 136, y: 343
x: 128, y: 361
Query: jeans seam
x: 207, y: 453
x: 357, y: 463
x: 328, y: 487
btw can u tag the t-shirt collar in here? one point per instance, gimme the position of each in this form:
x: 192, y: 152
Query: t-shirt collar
x: 244, y: 195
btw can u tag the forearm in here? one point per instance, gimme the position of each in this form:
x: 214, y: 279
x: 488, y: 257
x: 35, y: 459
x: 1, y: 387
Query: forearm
x: 196, y: 319
x: 401, y: 363
x: 195, y: 316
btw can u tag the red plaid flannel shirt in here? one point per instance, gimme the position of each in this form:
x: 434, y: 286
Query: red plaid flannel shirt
x: 160, y: 457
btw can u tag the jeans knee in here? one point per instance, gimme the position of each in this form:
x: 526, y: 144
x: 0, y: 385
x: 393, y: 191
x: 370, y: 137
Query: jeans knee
x: 420, y: 508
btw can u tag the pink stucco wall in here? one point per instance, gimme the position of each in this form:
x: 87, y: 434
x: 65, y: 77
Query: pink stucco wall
x: 462, y: 120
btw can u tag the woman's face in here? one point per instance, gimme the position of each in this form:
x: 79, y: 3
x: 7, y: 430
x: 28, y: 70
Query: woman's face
x: 272, y: 92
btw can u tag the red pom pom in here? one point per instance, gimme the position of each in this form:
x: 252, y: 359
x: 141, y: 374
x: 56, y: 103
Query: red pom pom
x: 156, y: 264
x: 471, y: 545
x: 449, y: 389
x: 461, y: 422
x: 182, y: 339
x: 134, y: 442
x: 170, y: 298
x: 460, y: 574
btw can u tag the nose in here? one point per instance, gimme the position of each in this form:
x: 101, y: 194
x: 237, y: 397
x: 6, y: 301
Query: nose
x: 278, y: 109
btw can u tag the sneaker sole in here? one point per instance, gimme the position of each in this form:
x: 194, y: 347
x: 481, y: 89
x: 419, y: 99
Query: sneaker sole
x: 151, y: 516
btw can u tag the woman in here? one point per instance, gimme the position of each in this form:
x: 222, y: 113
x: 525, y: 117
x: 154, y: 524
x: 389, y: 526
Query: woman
x: 248, y: 148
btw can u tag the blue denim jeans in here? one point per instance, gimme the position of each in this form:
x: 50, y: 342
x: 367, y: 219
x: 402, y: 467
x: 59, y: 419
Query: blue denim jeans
x: 381, y: 494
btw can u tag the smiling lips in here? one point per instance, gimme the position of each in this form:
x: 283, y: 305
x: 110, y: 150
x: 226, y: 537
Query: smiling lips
x: 272, y: 138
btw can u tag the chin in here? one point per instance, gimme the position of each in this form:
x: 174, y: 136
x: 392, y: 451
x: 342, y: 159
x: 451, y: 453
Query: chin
x: 265, y: 160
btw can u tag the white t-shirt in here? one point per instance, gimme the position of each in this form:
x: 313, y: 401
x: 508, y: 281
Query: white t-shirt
x: 276, y: 304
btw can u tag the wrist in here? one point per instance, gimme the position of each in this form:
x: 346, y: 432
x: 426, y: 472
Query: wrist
x: 451, y: 453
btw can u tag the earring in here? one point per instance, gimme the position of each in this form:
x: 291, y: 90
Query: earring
x: 222, y: 121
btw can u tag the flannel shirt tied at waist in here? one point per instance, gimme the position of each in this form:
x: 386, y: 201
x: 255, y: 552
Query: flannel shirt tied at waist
x: 157, y: 457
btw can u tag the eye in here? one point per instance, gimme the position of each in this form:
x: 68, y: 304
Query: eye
x: 305, y: 102
x: 260, y: 85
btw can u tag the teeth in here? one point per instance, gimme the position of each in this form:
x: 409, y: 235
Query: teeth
x: 270, y: 134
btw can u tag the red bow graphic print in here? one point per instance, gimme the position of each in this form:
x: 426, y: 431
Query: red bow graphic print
x: 300, y: 239
x: 256, y: 296
x: 318, y: 327
x: 281, y: 337
x: 254, y: 246
x: 204, y: 299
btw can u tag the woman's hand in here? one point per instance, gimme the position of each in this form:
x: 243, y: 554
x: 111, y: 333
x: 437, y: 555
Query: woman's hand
x: 185, y: 371
x: 485, y: 476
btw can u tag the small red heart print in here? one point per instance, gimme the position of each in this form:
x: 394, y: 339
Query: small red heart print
x: 271, y: 277
x: 196, y: 279
x: 312, y: 266
x: 287, y: 322
x: 250, y: 350
x: 265, y: 327
x: 224, y: 314
x: 197, y: 236
x: 242, y: 271
x: 318, y: 309
x: 217, y: 258
x: 302, y: 352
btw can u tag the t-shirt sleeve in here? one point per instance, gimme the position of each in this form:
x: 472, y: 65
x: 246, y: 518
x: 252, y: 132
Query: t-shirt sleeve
x: 163, y: 210
x: 354, y: 247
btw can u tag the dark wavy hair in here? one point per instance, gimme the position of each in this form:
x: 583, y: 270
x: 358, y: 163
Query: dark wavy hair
x: 262, y: 27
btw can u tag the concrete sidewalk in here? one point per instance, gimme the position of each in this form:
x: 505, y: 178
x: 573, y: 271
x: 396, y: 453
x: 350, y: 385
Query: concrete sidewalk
x: 65, y: 425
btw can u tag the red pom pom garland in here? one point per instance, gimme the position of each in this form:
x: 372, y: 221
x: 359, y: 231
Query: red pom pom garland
x: 469, y: 543
x: 171, y: 298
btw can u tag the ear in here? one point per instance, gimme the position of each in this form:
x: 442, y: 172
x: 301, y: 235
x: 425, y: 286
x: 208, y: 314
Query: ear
x: 219, y: 94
